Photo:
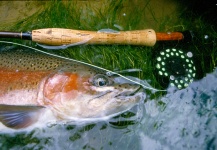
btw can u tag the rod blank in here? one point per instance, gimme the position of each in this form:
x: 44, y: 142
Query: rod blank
x: 17, y: 35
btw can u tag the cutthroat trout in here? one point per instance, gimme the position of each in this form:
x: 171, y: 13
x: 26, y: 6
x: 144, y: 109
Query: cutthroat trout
x: 33, y: 82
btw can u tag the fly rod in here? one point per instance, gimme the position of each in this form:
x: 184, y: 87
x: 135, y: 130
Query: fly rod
x: 61, y: 36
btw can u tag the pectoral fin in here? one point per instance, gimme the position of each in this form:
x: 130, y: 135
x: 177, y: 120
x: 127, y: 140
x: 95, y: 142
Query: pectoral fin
x: 19, y: 116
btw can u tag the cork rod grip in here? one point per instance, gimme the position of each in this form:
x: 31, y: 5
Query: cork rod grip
x: 59, y: 36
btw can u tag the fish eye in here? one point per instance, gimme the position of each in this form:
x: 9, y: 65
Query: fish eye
x: 100, y: 80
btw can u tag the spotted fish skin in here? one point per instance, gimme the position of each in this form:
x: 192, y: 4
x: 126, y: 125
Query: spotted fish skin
x: 24, y: 70
x: 71, y: 90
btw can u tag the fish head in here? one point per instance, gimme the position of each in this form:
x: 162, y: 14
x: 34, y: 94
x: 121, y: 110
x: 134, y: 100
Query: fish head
x: 89, y: 94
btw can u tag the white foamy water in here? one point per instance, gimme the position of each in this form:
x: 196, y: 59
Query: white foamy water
x: 183, y: 119
x: 186, y: 121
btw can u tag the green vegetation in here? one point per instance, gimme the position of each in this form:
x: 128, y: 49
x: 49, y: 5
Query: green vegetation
x: 117, y: 15
x: 120, y: 15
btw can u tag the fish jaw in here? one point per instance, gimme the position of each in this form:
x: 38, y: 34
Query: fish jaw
x: 74, y: 97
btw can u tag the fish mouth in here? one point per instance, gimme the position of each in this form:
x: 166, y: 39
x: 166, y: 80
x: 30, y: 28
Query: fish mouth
x: 122, y: 95
x: 125, y: 94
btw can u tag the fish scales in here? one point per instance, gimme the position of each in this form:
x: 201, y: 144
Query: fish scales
x: 30, y: 61
x: 69, y: 89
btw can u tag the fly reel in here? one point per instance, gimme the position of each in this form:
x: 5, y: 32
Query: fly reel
x: 175, y: 67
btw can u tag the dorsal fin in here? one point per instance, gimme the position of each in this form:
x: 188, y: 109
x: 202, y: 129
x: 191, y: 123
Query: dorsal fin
x: 19, y: 116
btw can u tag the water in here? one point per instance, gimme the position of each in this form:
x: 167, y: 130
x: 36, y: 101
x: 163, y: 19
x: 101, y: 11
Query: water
x: 179, y: 119
x: 185, y: 119
x: 188, y: 120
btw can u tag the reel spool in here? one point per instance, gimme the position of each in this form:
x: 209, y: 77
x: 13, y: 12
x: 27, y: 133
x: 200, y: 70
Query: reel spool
x: 175, y: 67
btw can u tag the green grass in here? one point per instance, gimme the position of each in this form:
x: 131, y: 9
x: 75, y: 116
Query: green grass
x: 86, y: 16
x: 126, y: 15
